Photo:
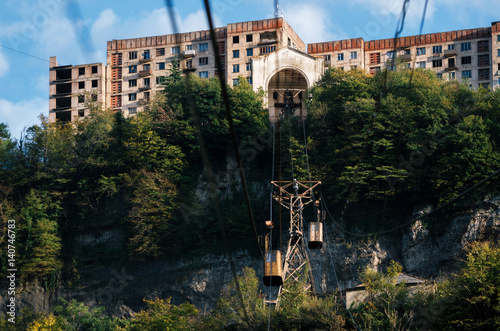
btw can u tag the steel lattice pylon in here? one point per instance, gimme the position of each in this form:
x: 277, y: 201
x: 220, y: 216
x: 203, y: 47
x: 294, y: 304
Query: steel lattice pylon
x: 295, y: 195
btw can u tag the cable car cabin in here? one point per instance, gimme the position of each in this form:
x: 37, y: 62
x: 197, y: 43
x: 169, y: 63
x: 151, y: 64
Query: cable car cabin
x: 273, y: 269
x: 315, y: 235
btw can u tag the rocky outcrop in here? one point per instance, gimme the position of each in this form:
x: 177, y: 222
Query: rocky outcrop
x: 123, y: 287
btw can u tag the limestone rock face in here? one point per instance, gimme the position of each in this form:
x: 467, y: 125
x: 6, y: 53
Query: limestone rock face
x: 422, y: 252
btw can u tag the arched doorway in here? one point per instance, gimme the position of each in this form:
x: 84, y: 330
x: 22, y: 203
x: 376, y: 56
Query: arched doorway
x: 287, y: 89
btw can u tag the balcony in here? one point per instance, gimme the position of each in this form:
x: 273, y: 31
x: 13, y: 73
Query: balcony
x: 145, y: 59
x: 450, y: 68
x: 450, y: 52
x: 143, y: 101
x: 144, y: 73
x: 145, y: 88
x: 189, y: 53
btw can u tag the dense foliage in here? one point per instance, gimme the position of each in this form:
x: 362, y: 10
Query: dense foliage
x: 387, y: 144
x: 380, y: 144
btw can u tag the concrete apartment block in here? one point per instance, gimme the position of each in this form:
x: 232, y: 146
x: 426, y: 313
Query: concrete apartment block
x: 270, y: 55
x: 70, y: 86
x: 465, y: 55
x: 248, y: 40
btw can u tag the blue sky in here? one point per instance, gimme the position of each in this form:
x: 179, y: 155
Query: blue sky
x: 76, y: 32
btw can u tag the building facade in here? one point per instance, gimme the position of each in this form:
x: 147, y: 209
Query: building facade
x: 269, y: 54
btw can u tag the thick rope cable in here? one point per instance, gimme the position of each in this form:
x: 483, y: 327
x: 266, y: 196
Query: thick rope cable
x: 225, y: 96
x: 208, y: 168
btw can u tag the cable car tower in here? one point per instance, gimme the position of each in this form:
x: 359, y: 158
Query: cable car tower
x: 294, y: 195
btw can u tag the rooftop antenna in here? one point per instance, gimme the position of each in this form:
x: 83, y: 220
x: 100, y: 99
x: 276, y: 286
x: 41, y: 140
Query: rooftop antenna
x: 277, y: 9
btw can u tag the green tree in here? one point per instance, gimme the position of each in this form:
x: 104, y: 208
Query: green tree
x: 163, y: 315
x: 38, y: 231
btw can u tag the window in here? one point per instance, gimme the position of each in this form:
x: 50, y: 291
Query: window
x: 374, y: 70
x: 249, y: 51
x: 267, y: 49
x: 483, y: 46
x: 451, y: 63
x: 452, y: 75
x: 132, y: 110
x: 421, y: 51
x: 81, y: 112
x: 354, y: 67
x: 146, y: 54
x: 354, y: 55
x: 421, y: 65
x: 236, y: 68
x: 391, y: 54
x: 465, y: 46
x: 146, y: 82
x: 132, y: 83
x: 466, y: 60
x: 375, y: 58
x: 203, y: 47
x: 94, y: 97
x: 289, y: 42
x: 484, y: 74
x: 498, y: 38
x: 249, y: 66
x: 451, y: 46
x: 249, y: 38
x: 391, y: 67
x: 498, y: 81
x: 437, y: 63
x: 202, y: 61
x: 94, y: 83
x: 340, y: 57
x: 236, y: 54
x: 132, y: 97
x: 327, y: 57
x: 146, y: 67
x: 439, y: 76
x: 189, y: 64
x: 176, y: 50
x: 498, y: 52
x: 189, y: 47
x: 81, y: 71
x: 236, y: 39
x: 132, y: 69
x: 437, y: 49
x: 132, y: 55
x: 160, y: 52
x: 94, y: 69
x: 236, y: 82
x: 203, y: 74
x: 483, y: 60
x: 407, y: 51
x: 499, y: 67
x: 81, y: 85
x: 466, y: 74
x: 81, y: 98
x: 160, y: 66
x: 160, y: 80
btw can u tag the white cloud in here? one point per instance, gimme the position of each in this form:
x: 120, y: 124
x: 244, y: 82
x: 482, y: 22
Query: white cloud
x: 312, y: 23
x: 4, y: 65
x: 23, y: 114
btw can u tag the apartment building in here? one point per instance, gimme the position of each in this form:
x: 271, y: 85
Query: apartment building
x: 471, y: 56
x: 69, y: 86
x: 269, y: 54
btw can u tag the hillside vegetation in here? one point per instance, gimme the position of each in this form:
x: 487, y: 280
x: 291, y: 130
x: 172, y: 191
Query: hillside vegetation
x: 381, y: 147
